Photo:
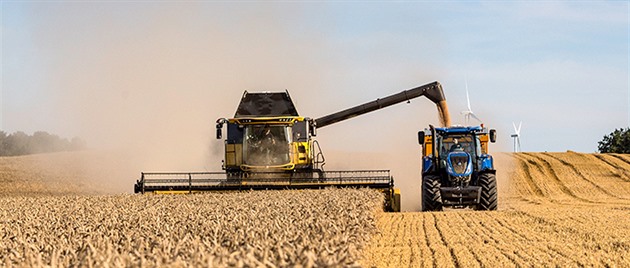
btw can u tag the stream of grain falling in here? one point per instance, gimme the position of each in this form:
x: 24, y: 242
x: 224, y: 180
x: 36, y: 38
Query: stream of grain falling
x: 445, y: 117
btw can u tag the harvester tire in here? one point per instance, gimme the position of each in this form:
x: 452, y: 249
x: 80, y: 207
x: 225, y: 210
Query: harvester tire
x: 488, y: 183
x: 431, y: 196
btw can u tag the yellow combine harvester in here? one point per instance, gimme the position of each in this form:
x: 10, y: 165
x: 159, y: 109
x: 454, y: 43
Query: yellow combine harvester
x: 270, y: 146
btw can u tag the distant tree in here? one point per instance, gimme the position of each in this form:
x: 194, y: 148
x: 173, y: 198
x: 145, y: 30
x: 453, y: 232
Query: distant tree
x: 19, y: 143
x: 3, y: 141
x: 42, y: 142
x: 616, y: 142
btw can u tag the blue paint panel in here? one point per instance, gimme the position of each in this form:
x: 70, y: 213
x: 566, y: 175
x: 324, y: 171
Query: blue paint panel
x: 487, y: 162
x: 451, y: 169
x: 426, y: 164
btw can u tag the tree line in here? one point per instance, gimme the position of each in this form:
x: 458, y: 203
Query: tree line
x: 20, y: 143
x: 617, y: 141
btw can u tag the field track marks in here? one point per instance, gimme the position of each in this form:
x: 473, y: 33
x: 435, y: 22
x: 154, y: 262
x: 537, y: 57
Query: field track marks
x: 529, y: 246
x: 586, y: 242
x: 619, y: 171
x: 529, y: 180
x: 427, y: 240
x: 464, y: 239
x: 583, y: 176
x: 456, y: 262
x: 488, y: 242
x: 442, y: 256
x: 544, y: 237
x: 400, y: 242
x: 544, y: 164
x: 623, y: 157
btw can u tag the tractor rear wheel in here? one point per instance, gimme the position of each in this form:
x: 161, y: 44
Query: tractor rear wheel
x: 431, y: 197
x: 488, y: 183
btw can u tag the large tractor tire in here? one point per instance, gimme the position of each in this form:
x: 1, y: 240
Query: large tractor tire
x: 488, y: 183
x: 431, y: 197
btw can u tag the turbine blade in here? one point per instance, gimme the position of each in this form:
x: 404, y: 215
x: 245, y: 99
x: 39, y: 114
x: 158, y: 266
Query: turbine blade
x: 514, y: 125
x: 475, y: 117
x: 467, y: 96
x: 519, y: 127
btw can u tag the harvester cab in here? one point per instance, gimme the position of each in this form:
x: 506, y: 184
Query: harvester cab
x: 267, y: 135
x: 457, y: 169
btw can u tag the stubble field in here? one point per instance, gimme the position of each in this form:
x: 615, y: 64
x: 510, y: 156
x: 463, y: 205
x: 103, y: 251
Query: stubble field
x: 555, y: 209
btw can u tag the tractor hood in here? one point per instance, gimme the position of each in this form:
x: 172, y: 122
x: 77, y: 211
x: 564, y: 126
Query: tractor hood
x: 459, y: 164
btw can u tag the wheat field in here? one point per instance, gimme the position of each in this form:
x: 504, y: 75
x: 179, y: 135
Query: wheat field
x: 555, y: 209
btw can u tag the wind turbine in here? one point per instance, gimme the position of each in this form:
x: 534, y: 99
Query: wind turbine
x: 468, y: 113
x: 517, y: 137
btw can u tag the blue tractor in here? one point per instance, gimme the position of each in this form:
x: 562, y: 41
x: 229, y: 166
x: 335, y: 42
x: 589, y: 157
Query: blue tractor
x: 457, y: 170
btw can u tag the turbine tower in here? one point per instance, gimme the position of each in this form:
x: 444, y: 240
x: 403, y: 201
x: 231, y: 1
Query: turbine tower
x: 517, y: 137
x: 469, y: 113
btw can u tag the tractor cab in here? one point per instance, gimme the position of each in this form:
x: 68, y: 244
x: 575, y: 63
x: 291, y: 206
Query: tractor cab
x: 456, y: 142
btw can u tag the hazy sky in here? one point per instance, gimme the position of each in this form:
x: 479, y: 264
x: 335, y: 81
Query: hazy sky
x: 113, y: 71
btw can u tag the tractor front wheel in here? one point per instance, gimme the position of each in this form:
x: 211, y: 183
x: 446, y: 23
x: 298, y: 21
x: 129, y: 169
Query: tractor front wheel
x: 488, y: 183
x: 431, y: 197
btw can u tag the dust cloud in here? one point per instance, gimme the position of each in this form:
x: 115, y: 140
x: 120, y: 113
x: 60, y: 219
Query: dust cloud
x: 144, y: 91
x: 144, y: 83
x: 506, y: 168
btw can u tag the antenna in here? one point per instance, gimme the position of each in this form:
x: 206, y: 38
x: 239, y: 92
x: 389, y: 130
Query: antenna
x: 517, y: 137
x: 469, y: 113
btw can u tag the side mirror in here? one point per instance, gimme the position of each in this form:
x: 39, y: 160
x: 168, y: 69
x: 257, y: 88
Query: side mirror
x: 313, y: 129
x: 493, y: 135
x: 219, y: 133
x: 421, y: 137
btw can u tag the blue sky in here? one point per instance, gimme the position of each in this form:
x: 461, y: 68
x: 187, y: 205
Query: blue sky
x: 119, y: 70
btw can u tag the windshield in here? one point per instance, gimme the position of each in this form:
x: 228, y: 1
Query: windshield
x: 462, y: 143
x: 266, y: 145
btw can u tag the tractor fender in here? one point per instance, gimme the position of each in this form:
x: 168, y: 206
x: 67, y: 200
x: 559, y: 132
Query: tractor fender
x: 487, y: 162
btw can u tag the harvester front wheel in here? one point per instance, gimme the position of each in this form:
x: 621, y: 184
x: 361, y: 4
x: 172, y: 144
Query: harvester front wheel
x: 488, y: 183
x: 431, y: 197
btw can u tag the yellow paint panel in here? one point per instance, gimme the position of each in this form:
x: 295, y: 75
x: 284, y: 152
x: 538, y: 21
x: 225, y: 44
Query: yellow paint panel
x: 484, y: 143
x: 175, y: 192
x: 428, y: 146
x: 302, y: 158
x: 233, y: 154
